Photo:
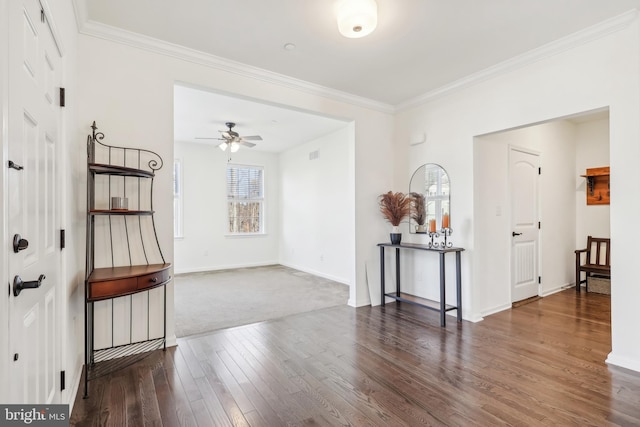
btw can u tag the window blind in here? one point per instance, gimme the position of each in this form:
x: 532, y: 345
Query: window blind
x: 245, y: 196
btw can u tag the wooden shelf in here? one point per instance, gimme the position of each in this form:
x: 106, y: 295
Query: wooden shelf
x: 602, y: 171
x: 102, y: 169
x: 113, y: 282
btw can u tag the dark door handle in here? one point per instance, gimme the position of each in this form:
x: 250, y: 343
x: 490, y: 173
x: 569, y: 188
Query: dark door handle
x: 19, y: 244
x: 19, y: 285
x: 15, y: 166
x: 514, y: 234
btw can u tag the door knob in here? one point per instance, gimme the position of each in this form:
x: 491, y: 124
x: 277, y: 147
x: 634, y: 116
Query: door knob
x: 514, y: 234
x: 19, y: 244
x: 19, y: 285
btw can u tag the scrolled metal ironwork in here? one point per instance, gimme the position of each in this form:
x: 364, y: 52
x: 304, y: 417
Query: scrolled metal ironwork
x: 97, y: 137
x: 153, y: 164
x: 446, y: 233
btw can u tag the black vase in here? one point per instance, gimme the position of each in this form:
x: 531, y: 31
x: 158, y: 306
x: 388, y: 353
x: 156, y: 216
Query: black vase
x: 396, y: 238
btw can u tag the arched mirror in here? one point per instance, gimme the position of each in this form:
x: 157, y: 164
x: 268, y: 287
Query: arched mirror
x: 430, y: 190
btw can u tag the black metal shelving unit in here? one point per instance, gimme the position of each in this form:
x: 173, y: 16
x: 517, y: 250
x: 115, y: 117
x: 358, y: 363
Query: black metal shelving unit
x: 131, y: 257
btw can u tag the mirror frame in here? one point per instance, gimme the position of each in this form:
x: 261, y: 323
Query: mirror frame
x: 439, y: 199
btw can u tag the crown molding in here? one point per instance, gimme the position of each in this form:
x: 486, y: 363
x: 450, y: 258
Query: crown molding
x: 139, y: 41
x: 106, y: 32
x: 81, y: 13
x: 571, y: 41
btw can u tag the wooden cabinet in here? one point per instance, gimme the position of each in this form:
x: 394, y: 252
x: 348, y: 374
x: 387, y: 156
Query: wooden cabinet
x: 124, y: 258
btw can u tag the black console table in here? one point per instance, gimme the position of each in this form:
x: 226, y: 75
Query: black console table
x: 440, y: 306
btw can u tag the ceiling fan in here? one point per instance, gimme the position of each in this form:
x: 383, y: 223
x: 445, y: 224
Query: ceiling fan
x: 232, y: 140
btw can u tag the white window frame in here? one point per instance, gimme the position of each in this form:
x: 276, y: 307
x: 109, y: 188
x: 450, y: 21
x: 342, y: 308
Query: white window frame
x: 178, y: 222
x: 260, y: 200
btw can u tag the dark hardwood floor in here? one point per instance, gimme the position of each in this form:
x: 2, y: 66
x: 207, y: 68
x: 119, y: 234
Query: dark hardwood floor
x: 539, y: 364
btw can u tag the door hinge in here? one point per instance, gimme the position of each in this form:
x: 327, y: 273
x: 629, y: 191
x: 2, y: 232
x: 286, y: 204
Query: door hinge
x: 62, y: 97
x: 41, y: 15
x: 539, y: 171
x: 538, y: 225
x: 539, y: 279
x: 62, y: 381
x: 63, y: 239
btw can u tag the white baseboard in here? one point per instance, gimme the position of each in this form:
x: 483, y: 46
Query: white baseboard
x: 623, y: 362
x: 172, y: 341
x: 222, y: 267
x: 475, y: 318
x: 75, y: 381
x: 495, y: 310
x: 316, y: 273
x: 557, y: 289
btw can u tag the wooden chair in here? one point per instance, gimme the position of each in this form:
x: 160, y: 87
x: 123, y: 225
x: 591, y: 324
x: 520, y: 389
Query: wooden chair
x: 597, y: 260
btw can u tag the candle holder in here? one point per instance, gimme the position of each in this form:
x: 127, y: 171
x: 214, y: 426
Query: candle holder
x: 432, y: 235
x: 446, y: 233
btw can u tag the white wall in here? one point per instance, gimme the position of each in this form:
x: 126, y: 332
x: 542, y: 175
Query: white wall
x: 317, y: 234
x: 592, y: 151
x: 555, y: 143
x: 206, y: 244
x: 591, y: 75
x: 129, y: 92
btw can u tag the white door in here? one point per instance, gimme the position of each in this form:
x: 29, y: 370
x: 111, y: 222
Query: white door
x: 523, y: 178
x: 32, y: 204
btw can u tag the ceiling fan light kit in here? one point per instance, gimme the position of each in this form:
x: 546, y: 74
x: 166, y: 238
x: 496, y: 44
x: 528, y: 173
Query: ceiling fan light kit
x: 357, y: 18
x: 233, y: 140
x: 233, y: 146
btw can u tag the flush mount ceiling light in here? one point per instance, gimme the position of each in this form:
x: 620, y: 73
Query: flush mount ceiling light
x: 357, y: 18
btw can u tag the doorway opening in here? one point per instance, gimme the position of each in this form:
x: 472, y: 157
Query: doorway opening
x: 302, y: 205
x: 567, y: 146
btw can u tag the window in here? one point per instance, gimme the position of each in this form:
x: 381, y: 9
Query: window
x: 177, y: 199
x: 245, y: 199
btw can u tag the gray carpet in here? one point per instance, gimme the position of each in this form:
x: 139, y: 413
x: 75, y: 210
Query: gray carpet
x: 225, y: 298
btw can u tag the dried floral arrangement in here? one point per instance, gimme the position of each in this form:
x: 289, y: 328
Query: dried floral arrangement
x: 418, y: 208
x: 395, y: 207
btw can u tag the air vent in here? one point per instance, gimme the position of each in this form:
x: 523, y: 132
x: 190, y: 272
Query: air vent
x: 314, y: 155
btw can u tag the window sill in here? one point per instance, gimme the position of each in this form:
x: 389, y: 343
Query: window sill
x: 241, y: 235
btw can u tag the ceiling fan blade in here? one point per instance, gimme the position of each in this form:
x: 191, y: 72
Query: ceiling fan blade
x: 252, y: 138
x: 247, y: 144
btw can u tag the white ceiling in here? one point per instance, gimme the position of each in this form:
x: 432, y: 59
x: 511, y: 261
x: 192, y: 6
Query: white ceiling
x: 418, y: 47
x: 201, y: 113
